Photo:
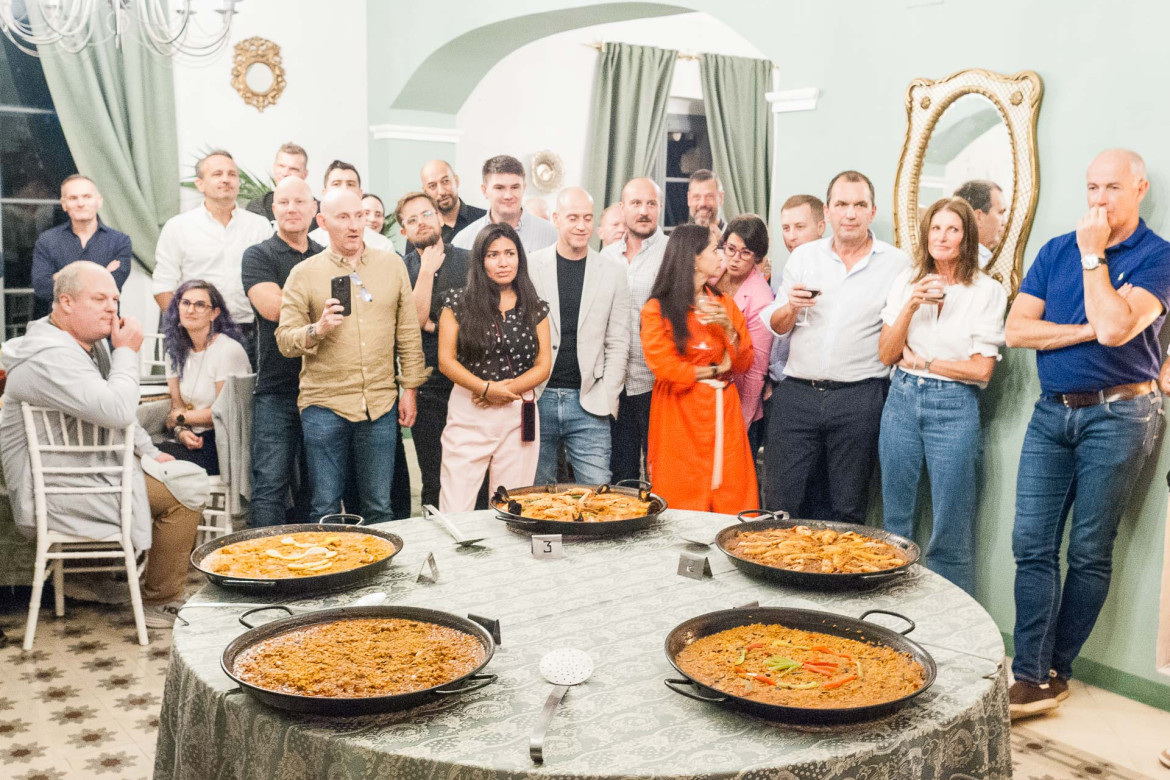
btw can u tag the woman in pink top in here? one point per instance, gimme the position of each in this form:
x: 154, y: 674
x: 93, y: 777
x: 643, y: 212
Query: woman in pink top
x: 745, y: 248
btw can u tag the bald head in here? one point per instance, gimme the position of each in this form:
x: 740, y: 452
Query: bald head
x: 641, y: 201
x: 344, y: 219
x: 611, y: 227
x: 85, y: 301
x: 573, y: 219
x: 1116, y: 181
x: 440, y: 182
x: 294, y: 208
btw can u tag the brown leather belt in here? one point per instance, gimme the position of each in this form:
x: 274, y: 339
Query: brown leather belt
x: 1108, y: 395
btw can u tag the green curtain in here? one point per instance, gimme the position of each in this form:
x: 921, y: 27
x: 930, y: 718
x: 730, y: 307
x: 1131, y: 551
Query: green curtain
x: 739, y: 125
x: 117, y: 108
x: 629, y: 116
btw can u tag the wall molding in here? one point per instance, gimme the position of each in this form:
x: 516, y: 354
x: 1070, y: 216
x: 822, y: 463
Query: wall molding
x: 786, y: 101
x: 445, y: 135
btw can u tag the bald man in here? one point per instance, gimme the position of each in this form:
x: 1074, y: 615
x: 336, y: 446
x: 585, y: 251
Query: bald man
x: 611, y: 227
x: 276, y: 420
x: 440, y: 182
x: 1091, y: 306
x: 589, y: 319
x: 640, y: 251
x: 349, y: 397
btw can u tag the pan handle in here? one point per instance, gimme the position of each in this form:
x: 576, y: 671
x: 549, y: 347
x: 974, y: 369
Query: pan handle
x: 342, y: 519
x: 879, y: 576
x: 689, y: 689
x: 516, y: 519
x: 472, y: 683
x: 760, y: 514
x: 229, y: 583
x: 261, y: 609
x: 644, y: 487
x: 898, y: 615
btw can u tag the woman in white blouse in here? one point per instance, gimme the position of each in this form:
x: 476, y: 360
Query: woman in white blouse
x: 943, y: 326
x: 204, y: 347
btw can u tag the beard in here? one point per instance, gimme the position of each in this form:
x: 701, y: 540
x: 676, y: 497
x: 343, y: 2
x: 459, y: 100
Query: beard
x: 446, y: 202
x: 703, y: 216
x: 426, y: 241
x: 642, y: 230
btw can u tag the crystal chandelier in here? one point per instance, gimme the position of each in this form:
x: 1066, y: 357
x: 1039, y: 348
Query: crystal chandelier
x: 75, y: 24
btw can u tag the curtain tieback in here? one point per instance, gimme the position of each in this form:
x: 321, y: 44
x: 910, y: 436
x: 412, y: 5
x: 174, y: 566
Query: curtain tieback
x: 717, y: 468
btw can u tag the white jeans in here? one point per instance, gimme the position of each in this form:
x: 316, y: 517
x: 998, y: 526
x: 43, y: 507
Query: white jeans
x: 476, y: 441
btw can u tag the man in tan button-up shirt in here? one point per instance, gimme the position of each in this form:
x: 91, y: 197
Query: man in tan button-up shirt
x: 348, y: 387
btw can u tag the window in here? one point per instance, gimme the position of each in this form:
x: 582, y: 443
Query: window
x: 34, y: 158
x: 686, y: 150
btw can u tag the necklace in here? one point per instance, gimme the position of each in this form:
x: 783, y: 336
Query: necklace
x: 203, y: 359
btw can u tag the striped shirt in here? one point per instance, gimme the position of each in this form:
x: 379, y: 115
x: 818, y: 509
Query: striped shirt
x: 641, y: 271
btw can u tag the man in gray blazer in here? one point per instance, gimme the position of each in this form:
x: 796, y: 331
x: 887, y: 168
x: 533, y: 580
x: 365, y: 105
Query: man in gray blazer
x: 589, y: 300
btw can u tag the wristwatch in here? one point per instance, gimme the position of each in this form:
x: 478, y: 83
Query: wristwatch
x: 313, y: 331
x: 181, y: 419
x: 1089, y: 262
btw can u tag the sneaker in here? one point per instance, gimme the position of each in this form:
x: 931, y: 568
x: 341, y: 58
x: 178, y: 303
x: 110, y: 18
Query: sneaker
x: 1027, y: 699
x: 1058, y: 685
x: 162, y: 615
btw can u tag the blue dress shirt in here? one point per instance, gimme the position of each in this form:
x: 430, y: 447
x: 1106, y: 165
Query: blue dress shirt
x: 59, y: 246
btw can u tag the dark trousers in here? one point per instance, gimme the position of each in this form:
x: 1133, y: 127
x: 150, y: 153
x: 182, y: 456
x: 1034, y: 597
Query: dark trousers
x: 278, y: 453
x: 839, y: 425
x: 400, y: 489
x: 815, y: 505
x: 428, y: 434
x: 629, y: 432
x: 206, y: 456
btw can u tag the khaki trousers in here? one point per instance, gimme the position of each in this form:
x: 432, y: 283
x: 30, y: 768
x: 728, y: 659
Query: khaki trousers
x: 172, y: 538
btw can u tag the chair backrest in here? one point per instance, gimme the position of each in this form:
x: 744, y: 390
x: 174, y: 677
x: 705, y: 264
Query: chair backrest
x: 231, y: 416
x: 53, y: 432
x: 152, y: 355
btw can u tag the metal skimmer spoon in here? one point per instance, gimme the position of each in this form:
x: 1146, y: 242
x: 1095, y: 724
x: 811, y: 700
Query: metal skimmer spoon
x: 431, y: 512
x: 562, y: 668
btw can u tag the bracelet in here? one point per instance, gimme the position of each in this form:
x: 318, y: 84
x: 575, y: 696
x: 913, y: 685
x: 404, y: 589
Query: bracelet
x: 486, y: 385
x: 928, y: 365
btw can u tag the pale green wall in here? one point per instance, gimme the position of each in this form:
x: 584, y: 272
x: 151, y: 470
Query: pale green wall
x: 1102, y: 66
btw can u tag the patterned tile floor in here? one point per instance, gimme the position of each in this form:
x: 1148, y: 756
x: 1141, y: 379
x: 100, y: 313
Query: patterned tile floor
x: 84, y: 704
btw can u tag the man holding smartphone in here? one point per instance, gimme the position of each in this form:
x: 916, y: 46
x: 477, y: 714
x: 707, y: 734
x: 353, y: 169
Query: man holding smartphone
x: 829, y: 407
x: 349, y: 391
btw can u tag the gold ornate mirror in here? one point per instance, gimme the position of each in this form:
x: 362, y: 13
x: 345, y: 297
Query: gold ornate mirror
x: 973, y: 126
x: 257, y: 73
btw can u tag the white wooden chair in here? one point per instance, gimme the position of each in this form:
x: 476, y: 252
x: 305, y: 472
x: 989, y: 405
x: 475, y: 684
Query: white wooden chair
x: 62, y: 434
x: 233, y: 484
x: 152, y: 355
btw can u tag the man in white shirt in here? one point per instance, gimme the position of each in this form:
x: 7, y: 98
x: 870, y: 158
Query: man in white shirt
x: 208, y: 242
x: 503, y: 187
x: 641, y: 252
x: 344, y: 176
x: 986, y: 197
x: 830, y: 403
x: 588, y: 297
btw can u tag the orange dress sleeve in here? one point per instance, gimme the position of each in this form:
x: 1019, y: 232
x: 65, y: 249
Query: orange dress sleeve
x: 659, y: 350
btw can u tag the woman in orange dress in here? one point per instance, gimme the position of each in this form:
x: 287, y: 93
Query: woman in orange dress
x: 694, y: 338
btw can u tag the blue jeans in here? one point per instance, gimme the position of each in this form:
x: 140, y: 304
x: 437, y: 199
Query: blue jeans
x: 936, y: 423
x: 333, y: 445
x: 1093, y: 455
x: 276, y: 442
x: 586, y: 438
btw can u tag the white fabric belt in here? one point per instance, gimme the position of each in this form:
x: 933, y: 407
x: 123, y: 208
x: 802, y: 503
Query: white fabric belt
x: 717, y: 469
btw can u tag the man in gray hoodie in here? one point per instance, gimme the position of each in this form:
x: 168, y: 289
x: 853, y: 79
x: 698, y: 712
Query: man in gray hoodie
x: 63, y: 362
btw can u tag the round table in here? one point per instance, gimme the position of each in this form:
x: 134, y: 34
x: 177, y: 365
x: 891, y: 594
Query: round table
x: 617, y: 599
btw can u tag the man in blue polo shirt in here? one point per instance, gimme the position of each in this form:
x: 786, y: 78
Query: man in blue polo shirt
x: 1091, y: 306
x: 83, y: 237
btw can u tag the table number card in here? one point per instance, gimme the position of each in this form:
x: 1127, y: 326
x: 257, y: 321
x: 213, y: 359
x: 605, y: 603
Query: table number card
x: 547, y: 546
x: 428, y: 562
x: 696, y: 567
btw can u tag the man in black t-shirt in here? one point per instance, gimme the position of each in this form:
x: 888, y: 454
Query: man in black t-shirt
x: 435, y: 269
x: 276, y: 420
x: 589, y: 318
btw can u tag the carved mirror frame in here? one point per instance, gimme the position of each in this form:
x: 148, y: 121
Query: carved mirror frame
x: 257, y: 51
x: 1017, y: 98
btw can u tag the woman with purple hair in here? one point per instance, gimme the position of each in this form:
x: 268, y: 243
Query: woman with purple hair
x: 204, y: 347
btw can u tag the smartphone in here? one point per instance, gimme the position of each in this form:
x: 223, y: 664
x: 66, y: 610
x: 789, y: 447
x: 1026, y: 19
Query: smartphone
x: 812, y: 292
x: 340, y: 289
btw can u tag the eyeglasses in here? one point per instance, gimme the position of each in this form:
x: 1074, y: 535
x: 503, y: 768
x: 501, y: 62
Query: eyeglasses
x: 415, y: 219
x: 361, y: 288
x: 733, y: 253
x: 199, y: 306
